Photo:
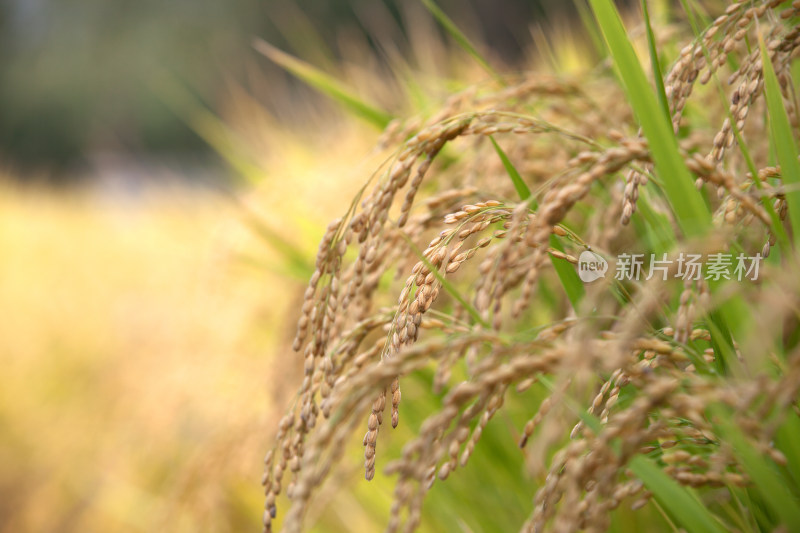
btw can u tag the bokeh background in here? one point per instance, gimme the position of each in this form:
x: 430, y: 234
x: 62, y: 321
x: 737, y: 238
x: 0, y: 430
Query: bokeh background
x: 162, y: 190
x: 84, y: 78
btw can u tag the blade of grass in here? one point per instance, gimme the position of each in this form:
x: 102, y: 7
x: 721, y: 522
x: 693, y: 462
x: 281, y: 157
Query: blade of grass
x: 692, y: 13
x: 661, y: 235
x: 769, y: 482
x: 591, y: 28
x: 325, y: 83
x: 219, y: 137
x: 788, y: 441
x: 681, y: 502
x: 566, y: 273
x: 692, y: 214
x: 416, y: 95
x: 541, y: 43
x: 722, y: 340
x: 300, y: 33
x: 521, y: 187
x: 462, y: 40
x: 655, y: 63
x: 295, y: 260
x: 193, y: 112
x: 783, y: 141
x: 731, y: 319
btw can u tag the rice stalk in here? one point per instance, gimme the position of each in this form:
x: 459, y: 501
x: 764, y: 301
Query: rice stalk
x: 448, y: 265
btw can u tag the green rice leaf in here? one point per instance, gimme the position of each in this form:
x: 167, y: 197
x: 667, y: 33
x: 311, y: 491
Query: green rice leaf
x: 654, y: 62
x: 206, y: 125
x: 565, y: 271
x: 783, y: 142
x: 787, y: 441
x: 770, y: 483
x: 721, y: 338
x: 591, y: 28
x: 326, y: 84
x: 295, y: 260
x: 692, y: 214
x: 692, y: 15
x: 462, y: 40
x: 522, y: 188
x: 681, y: 502
x: 566, y: 274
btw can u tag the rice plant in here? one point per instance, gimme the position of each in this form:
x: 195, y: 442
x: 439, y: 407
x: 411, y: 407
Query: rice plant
x: 621, y: 244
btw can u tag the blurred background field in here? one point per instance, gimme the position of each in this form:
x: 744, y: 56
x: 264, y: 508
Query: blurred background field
x: 88, y: 78
x: 163, y: 188
x: 134, y: 365
x: 144, y: 341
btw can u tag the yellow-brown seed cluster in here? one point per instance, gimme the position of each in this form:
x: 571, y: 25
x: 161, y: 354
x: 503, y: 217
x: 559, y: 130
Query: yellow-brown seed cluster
x: 474, y: 258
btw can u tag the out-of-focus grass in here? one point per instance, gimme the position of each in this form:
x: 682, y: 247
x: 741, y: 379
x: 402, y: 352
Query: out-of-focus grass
x: 144, y: 341
x: 136, y: 385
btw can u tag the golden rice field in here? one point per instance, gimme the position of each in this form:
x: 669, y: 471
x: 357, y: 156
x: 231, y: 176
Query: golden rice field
x: 133, y: 365
x: 140, y: 380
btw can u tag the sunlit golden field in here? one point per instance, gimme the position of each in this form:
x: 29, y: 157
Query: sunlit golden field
x: 141, y: 339
x: 134, y: 364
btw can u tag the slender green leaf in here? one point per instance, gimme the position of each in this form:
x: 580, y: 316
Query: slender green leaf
x: 295, y: 260
x: 692, y: 214
x: 296, y: 26
x: 590, y: 27
x: 591, y: 421
x: 522, y: 188
x: 661, y: 233
x: 420, y: 100
x: 788, y: 442
x: 460, y: 38
x: 191, y: 110
x: 567, y: 275
x: 223, y: 141
x: 565, y: 271
x: 731, y: 319
x: 777, y: 226
x: 325, y: 83
x: 680, y: 502
x: 770, y: 483
x: 655, y: 63
x: 783, y: 141
x: 721, y: 339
